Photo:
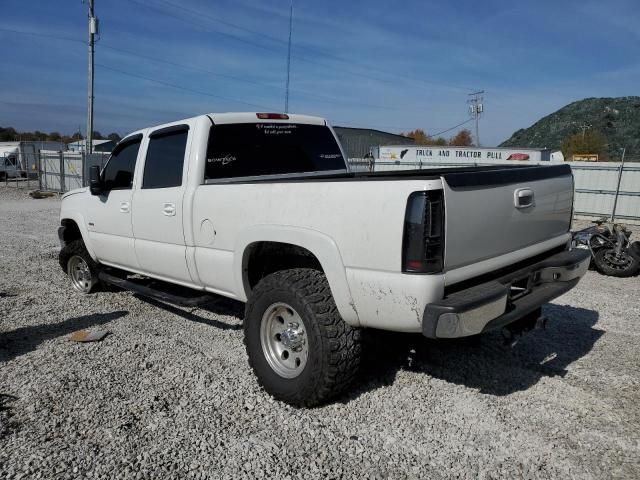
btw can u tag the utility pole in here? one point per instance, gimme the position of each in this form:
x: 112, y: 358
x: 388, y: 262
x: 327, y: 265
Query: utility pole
x: 476, y: 108
x: 584, y: 127
x: 286, y: 95
x: 93, y: 30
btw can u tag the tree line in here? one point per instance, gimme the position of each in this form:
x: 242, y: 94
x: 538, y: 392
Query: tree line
x: 461, y: 139
x: 10, y: 134
x: 589, y: 142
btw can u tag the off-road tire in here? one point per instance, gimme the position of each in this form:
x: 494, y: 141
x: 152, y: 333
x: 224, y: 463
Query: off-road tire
x: 76, y: 247
x: 334, y: 346
x: 603, y: 266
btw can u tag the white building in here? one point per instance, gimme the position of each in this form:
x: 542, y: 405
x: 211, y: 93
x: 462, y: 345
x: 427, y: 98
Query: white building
x: 423, y: 154
x: 98, y: 145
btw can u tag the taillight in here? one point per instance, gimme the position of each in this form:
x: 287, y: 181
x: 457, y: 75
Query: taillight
x: 423, y: 242
x: 272, y: 116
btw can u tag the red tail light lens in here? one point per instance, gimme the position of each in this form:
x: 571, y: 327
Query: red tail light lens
x: 272, y: 116
x: 423, y: 242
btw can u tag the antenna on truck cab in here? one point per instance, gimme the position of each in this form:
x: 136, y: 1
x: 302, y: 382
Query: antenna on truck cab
x: 286, y: 94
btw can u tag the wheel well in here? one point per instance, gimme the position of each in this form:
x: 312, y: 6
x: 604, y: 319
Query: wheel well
x: 71, y: 231
x: 265, y: 258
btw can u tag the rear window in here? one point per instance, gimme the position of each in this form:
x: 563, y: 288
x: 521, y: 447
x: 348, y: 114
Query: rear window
x: 254, y: 149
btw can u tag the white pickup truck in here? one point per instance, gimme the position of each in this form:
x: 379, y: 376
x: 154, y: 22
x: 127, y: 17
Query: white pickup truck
x: 262, y: 208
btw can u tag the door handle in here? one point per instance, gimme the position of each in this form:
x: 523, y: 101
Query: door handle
x: 523, y: 198
x: 124, y: 207
x: 169, y: 209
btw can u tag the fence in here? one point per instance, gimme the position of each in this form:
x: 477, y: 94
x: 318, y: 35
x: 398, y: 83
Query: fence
x: 64, y: 171
x: 596, y: 184
x: 19, y: 170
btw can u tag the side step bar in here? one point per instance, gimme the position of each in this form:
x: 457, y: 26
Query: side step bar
x: 190, y: 299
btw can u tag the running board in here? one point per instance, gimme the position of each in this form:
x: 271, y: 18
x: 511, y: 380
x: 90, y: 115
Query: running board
x: 186, y: 300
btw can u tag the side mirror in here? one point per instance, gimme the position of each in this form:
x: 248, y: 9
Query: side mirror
x: 95, y: 184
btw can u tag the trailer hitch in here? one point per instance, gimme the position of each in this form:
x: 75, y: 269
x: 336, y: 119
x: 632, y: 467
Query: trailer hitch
x: 532, y: 321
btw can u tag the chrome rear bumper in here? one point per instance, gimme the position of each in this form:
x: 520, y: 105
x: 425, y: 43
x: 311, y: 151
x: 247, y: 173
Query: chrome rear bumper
x: 498, y: 302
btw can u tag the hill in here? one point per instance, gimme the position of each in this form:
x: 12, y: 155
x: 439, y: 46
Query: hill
x: 618, y: 119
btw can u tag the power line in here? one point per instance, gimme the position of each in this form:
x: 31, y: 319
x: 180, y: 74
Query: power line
x: 179, y: 87
x: 394, y: 127
x: 44, y: 35
x: 200, y: 92
x: 301, y: 93
x: 452, y: 128
x: 368, y: 68
x: 246, y: 80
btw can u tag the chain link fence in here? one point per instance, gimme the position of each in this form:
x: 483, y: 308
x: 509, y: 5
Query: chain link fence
x: 600, y: 188
x: 49, y: 170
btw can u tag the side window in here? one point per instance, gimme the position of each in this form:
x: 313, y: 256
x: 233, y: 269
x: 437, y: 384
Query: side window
x: 165, y: 159
x: 118, y: 174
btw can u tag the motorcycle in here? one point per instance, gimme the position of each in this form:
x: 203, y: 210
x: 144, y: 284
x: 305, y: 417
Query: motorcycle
x: 611, y: 251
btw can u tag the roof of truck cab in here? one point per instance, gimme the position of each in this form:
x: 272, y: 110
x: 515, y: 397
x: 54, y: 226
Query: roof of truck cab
x: 235, y: 117
x: 251, y: 117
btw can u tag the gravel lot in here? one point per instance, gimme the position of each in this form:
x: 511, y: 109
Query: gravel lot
x: 169, y: 394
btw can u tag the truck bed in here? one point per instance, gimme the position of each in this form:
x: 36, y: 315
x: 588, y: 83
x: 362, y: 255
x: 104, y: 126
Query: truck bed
x: 455, y: 176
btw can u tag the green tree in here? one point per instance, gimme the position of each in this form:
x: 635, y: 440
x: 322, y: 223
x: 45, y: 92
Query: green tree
x: 584, y: 143
x: 8, y: 134
x: 114, y: 136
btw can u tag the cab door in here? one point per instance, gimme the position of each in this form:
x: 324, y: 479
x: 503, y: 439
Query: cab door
x: 109, y: 214
x: 157, y: 214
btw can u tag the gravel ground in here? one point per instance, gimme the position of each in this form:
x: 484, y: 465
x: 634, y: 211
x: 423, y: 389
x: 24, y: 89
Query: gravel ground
x: 168, y: 393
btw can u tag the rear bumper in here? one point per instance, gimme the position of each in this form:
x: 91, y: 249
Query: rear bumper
x: 499, y: 302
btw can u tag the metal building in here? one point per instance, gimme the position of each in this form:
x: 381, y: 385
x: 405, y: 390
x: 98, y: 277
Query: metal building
x: 24, y: 154
x: 98, y: 145
x: 359, y: 142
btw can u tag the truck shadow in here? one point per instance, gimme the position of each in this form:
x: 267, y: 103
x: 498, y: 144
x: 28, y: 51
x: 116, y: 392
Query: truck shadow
x: 218, y: 306
x: 26, y: 339
x: 483, y: 362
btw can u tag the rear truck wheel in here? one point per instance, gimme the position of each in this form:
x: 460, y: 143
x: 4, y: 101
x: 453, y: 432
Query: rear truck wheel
x: 299, y: 348
x: 78, y: 264
x: 623, y: 265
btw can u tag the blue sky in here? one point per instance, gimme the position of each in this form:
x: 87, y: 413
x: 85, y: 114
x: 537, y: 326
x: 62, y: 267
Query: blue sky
x: 389, y: 65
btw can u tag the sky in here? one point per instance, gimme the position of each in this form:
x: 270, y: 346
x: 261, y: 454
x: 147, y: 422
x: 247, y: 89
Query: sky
x: 393, y: 66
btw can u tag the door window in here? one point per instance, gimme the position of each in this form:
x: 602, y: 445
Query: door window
x: 165, y: 158
x: 118, y: 174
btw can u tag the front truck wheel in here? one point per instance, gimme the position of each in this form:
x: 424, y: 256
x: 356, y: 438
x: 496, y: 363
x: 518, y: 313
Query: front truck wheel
x: 76, y: 262
x: 300, y: 349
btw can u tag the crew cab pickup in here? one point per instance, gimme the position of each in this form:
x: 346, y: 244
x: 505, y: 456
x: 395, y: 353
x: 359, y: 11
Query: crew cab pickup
x: 262, y: 208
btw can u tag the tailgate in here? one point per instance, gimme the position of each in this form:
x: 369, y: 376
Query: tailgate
x: 495, y: 212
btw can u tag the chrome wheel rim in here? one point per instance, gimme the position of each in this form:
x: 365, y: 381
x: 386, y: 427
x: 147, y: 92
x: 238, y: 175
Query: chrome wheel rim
x: 284, y: 340
x: 80, y: 273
